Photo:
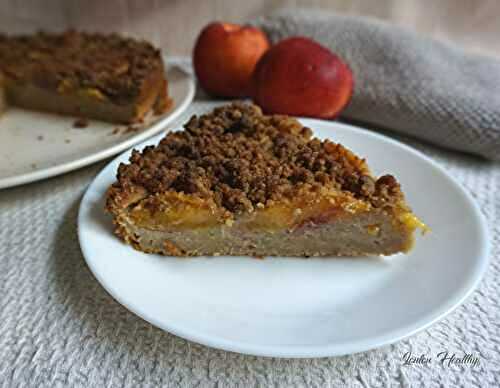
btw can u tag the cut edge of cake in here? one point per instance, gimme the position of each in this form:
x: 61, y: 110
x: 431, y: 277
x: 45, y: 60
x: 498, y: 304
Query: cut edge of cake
x: 91, y: 104
x: 3, y: 101
x: 332, y: 230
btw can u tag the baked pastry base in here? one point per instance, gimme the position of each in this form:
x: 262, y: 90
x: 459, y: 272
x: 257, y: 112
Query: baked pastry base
x: 353, y: 236
x: 3, y: 102
x: 35, y: 98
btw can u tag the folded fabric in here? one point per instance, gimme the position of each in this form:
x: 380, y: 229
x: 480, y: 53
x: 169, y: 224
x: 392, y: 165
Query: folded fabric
x: 405, y: 82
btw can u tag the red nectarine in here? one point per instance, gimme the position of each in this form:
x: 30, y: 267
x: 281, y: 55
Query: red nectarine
x: 300, y: 77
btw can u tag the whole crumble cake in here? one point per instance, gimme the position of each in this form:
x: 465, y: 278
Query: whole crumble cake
x: 96, y: 76
x: 237, y: 182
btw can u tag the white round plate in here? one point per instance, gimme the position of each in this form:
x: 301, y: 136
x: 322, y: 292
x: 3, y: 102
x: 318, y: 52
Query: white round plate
x: 38, y: 145
x: 286, y: 307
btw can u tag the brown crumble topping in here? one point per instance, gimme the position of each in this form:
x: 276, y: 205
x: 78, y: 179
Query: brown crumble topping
x: 82, y: 122
x: 241, y: 159
x: 109, y: 66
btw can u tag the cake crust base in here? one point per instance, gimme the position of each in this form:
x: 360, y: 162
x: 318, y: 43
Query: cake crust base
x: 3, y: 103
x: 366, y: 234
x: 32, y: 97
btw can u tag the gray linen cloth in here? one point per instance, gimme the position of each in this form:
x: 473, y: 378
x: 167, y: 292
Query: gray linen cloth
x: 407, y: 83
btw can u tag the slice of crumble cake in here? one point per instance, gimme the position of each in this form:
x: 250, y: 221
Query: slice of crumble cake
x: 237, y: 182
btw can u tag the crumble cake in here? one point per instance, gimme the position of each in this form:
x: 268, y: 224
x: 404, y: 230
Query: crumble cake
x: 104, y: 77
x: 237, y: 182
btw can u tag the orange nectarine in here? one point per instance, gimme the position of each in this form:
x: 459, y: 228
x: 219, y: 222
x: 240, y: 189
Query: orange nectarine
x: 225, y: 56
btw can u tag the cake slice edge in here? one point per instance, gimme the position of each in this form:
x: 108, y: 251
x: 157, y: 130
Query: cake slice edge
x: 185, y: 225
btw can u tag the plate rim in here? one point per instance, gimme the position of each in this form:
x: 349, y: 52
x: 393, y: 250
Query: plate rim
x: 314, y: 351
x: 153, y: 130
